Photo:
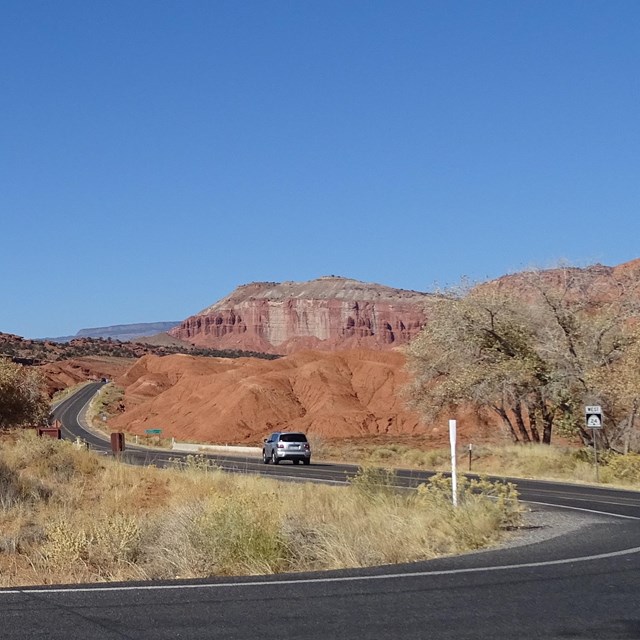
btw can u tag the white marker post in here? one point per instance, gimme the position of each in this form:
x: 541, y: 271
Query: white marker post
x: 454, y: 479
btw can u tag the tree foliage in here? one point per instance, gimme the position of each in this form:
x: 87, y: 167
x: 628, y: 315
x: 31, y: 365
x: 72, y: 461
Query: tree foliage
x: 533, y: 355
x: 23, y: 399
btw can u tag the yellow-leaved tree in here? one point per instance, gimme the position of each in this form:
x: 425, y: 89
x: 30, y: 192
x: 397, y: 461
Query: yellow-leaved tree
x: 533, y: 354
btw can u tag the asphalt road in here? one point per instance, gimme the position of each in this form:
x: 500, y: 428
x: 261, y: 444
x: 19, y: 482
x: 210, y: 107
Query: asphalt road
x: 585, y: 585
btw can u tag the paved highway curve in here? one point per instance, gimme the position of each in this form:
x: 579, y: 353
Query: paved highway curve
x: 585, y: 585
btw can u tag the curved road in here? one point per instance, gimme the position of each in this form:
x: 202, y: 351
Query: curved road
x: 539, y: 492
x: 580, y: 586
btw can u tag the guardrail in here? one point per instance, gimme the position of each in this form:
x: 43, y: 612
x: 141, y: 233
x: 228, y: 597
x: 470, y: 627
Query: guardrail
x: 204, y: 448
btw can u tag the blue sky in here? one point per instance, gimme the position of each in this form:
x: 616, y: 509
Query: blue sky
x: 154, y: 155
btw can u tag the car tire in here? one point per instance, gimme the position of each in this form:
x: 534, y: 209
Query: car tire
x: 296, y: 461
x: 307, y: 461
x: 274, y: 458
x: 265, y: 457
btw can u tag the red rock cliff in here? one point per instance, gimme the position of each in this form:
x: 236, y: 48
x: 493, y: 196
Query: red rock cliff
x: 328, y: 313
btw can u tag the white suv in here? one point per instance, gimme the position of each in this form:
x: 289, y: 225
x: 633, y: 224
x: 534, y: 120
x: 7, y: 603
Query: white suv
x: 286, y: 446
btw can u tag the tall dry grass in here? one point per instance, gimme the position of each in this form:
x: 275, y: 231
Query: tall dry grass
x: 68, y: 515
x: 518, y: 461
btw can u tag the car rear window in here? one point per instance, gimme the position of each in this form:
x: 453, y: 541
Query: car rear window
x: 293, y: 437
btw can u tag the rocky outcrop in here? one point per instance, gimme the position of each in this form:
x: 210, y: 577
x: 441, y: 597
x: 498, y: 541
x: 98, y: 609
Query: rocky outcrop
x: 328, y: 313
x: 594, y: 285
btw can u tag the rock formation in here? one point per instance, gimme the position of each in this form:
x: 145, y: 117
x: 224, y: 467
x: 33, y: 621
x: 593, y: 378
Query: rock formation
x: 596, y: 284
x: 328, y: 313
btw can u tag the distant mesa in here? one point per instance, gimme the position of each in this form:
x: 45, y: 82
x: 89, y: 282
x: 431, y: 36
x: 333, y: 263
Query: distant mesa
x: 336, y: 313
x: 328, y: 313
x: 121, y: 332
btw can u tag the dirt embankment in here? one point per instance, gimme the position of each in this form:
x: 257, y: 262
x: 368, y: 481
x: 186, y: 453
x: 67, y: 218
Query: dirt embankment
x: 348, y: 394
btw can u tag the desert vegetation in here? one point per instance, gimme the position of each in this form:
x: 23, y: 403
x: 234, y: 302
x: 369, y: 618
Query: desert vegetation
x: 535, y: 357
x: 23, y: 400
x: 556, y: 462
x: 36, y: 352
x: 107, y: 402
x: 68, y: 515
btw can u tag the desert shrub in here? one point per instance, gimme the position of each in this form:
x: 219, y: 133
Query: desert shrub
x: 19, y: 531
x: 15, y: 490
x: 100, y: 549
x: 47, y: 458
x: 587, y: 454
x: 221, y: 535
x: 434, y: 459
x: 65, y: 545
x: 373, y: 482
x: 240, y: 533
x: 497, y: 501
x: 115, y: 539
x: 319, y: 446
x: 198, y: 462
x: 625, y: 468
x: 382, y: 453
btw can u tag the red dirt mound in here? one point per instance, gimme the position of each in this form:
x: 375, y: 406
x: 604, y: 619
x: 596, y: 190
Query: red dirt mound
x: 337, y: 395
x: 67, y: 373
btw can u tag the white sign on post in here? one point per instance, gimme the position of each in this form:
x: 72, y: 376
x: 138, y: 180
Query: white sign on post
x: 593, y: 416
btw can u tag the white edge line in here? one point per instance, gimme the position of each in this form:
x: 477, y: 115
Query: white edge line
x: 564, y: 506
x: 386, y: 576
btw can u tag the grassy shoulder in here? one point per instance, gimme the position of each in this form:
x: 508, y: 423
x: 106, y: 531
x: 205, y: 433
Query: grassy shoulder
x: 519, y: 461
x: 62, y: 395
x: 68, y: 515
x: 109, y: 401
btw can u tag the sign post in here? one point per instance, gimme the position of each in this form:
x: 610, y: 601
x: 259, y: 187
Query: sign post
x: 454, y: 479
x: 593, y: 418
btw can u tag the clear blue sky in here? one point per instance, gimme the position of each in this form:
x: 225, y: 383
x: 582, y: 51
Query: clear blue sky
x: 154, y: 155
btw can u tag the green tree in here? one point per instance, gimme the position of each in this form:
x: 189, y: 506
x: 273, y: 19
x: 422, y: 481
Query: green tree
x: 23, y: 399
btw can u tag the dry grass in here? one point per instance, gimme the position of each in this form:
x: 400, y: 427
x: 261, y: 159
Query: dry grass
x: 526, y: 461
x: 63, y: 394
x: 105, y: 404
x: 68, y: 515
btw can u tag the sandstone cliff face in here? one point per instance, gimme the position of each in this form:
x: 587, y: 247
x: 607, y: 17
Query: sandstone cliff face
x: 328, y: 313
x: 597, y: 284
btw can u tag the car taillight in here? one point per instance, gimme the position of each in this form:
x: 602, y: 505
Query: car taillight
x: 280, y: 445
x: 306, y: 445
